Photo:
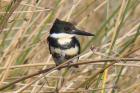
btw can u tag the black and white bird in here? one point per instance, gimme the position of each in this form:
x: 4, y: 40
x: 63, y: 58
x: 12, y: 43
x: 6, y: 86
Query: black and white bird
x: 63, y: 44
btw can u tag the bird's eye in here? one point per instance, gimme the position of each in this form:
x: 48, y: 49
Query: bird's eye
x: 67, y: 28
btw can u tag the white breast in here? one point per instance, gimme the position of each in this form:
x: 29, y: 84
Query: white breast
x: 63, y: 38
x: 63, y: 41
x: 71, y: 51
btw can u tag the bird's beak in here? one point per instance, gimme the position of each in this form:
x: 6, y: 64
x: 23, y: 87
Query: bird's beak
x: 79, y: 32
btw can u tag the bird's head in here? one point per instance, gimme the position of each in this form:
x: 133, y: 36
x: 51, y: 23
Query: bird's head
x: 66, y: 29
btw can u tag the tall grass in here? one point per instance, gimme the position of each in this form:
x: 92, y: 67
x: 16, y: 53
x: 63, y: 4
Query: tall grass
x: 25, y: 25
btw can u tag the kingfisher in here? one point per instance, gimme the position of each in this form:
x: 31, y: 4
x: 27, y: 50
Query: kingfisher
x: 63, y: 43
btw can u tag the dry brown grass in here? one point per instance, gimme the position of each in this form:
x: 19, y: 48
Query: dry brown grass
x: 25, y: 25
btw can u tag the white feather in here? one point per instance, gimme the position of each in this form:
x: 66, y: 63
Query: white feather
x: 71, y: 51
x: 63, y: 41
x: 61, y: 35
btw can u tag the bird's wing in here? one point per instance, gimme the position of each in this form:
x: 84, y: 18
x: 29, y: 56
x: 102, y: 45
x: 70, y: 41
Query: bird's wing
x: 78, y: 44
x: 48, y: 40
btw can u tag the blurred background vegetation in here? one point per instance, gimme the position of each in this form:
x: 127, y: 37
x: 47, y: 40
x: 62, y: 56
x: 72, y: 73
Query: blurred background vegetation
x: 25, y: 25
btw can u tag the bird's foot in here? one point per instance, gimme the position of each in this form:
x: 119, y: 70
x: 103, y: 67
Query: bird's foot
x: 76, y: 66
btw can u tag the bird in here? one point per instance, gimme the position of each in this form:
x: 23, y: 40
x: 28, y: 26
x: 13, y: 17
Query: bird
x: 63, y: 43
